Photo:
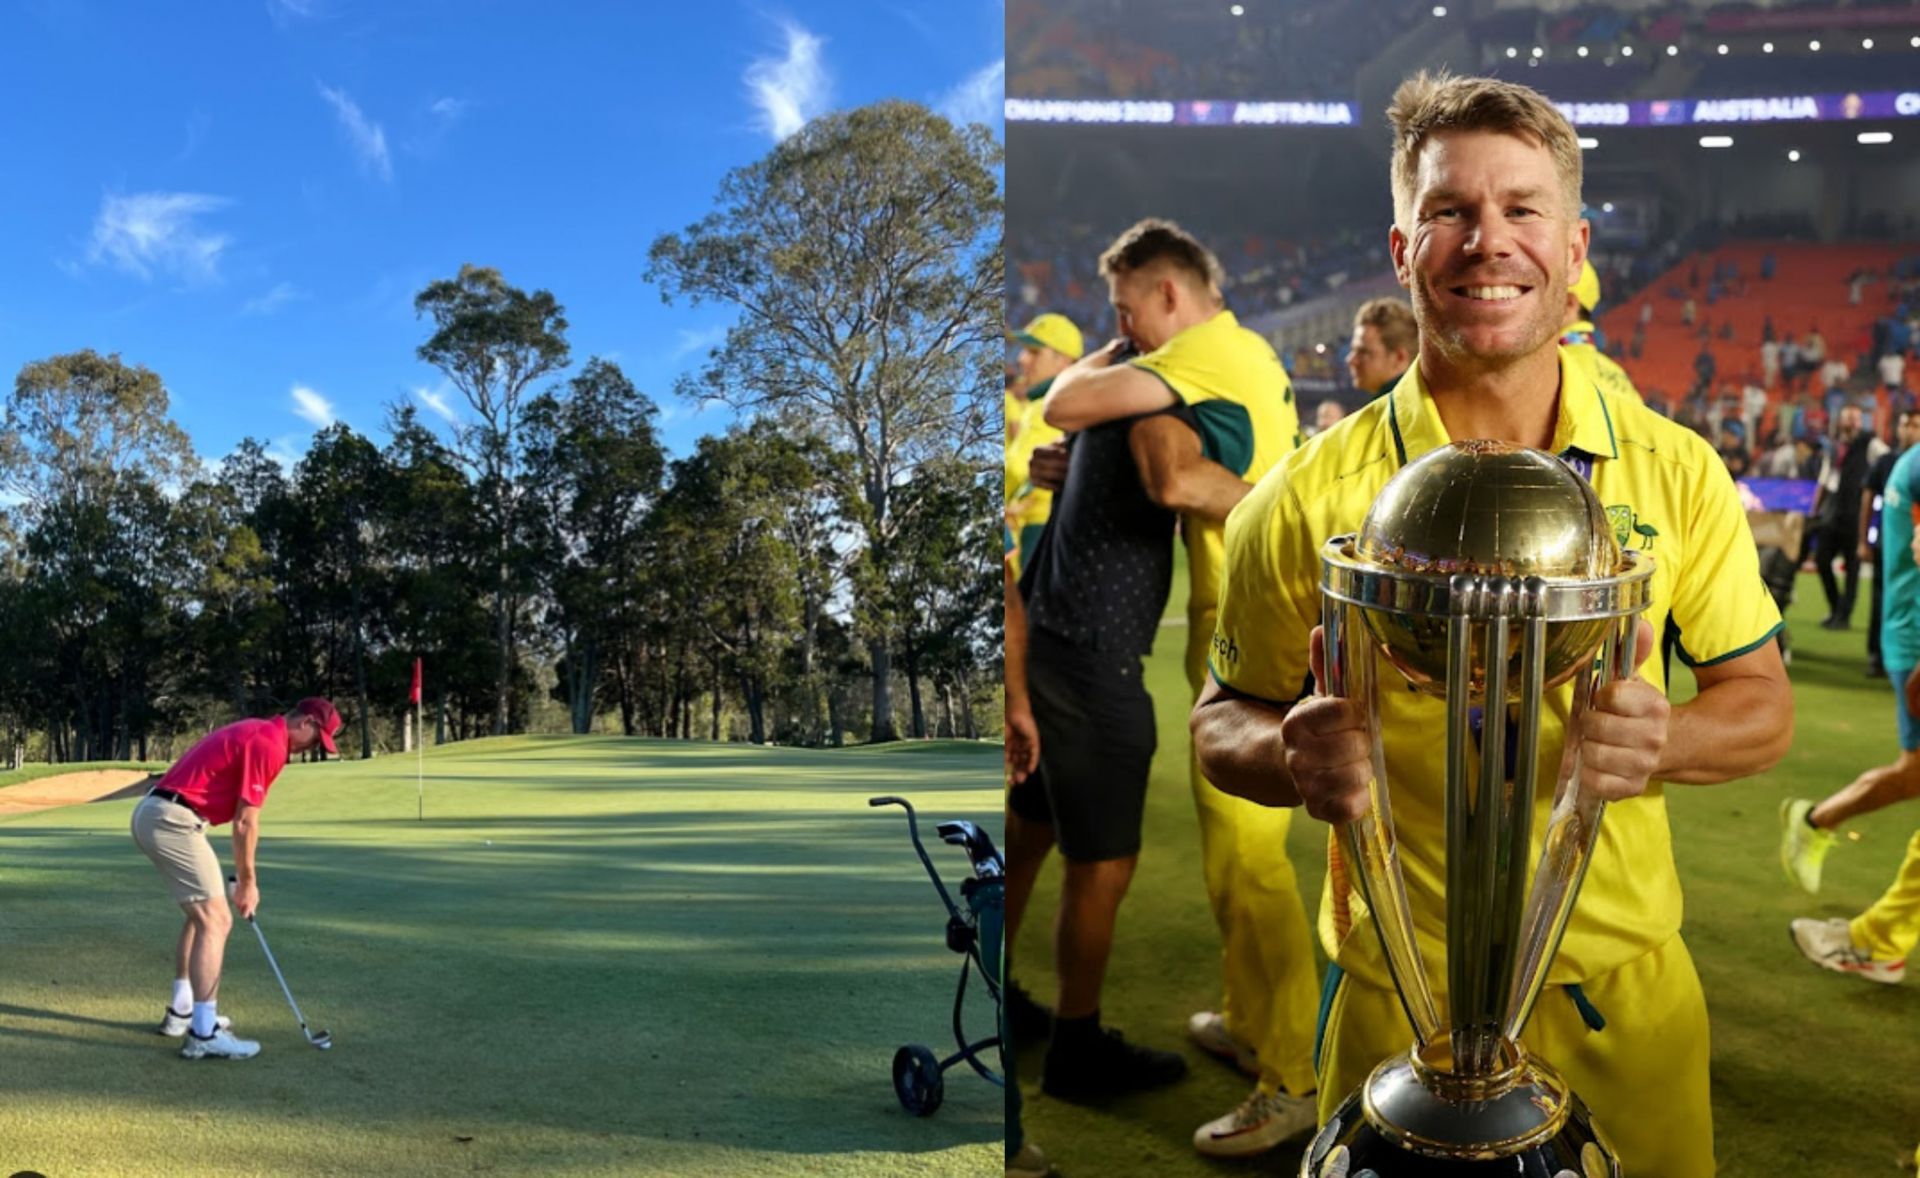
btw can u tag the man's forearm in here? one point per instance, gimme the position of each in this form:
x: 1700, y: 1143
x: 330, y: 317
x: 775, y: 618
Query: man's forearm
x: 1091, y: 392
x: 1177, y: 475
x: 1015, y: 641
x: 1240, y: 750
x: 246, y: 834
x: 1207, y: 490
x: 1731, y: 730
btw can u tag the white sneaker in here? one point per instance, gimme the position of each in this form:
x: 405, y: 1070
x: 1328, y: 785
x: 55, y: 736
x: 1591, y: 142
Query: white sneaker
x: 1263, y: 1120
x: 220, y: 1045
x: 1209, y: 1030
x: 1829, y: 945
x: 1802, y: 848
x: 175, y: 1025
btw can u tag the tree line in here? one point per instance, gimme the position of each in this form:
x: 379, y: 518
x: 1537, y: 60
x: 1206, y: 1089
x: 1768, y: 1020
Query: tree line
x: 825, y: 568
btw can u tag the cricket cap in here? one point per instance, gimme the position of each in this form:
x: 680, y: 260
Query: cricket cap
x: 1586, y: 288
x: 1054, y: 331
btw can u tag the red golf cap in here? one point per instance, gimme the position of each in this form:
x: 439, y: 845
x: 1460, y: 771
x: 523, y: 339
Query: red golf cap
x: 329, y: 717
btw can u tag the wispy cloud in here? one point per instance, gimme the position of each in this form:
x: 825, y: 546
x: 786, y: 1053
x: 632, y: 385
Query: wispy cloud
x: 982, y: 98
x: 921, y: 26
x: 437, y: 400
x: 686, y: 409
x: 197, y: 124
x: 369, y: 141
x: 698, y: 341
x: 281, y: 294
x: 312, y: 406
x: 287, y: 11
x: 283, y: 450
x: 429, y: 127
x: 790, y: 89
x: 390, y: 298
x: 151, y: 233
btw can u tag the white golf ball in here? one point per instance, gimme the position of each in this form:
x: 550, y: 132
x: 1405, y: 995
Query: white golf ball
x: 489, y: 842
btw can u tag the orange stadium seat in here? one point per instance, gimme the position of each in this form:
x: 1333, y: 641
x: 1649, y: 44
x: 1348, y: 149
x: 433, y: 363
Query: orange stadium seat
x: 1809, y: 289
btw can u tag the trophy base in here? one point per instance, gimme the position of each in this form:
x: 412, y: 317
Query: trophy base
x: 1415, y: 1118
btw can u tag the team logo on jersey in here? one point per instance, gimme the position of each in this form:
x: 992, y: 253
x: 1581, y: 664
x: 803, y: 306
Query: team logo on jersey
x: 1627, y: 526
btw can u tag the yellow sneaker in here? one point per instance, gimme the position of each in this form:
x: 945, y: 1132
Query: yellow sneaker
x: 1803, y: 848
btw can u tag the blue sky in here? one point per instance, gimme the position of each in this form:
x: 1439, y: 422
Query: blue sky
x: 245, y: 195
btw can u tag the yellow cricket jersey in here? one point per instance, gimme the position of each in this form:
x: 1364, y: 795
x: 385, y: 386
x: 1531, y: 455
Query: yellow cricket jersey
x: 1578, y: 341
x: 1026, y: 504
x: 1665, y: 491
x: 1248, y: 423
x: 1013, y: 406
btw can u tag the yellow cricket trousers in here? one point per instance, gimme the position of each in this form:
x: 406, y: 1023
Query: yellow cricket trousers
x: 1270, y: 985
x: 1891, y: 927
x: 1644, y: 1076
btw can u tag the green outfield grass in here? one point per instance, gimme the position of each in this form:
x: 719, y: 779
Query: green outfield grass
x: 674, y: 959
x: 1811, y: 1070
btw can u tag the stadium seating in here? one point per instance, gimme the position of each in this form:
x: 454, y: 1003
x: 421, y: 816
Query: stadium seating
x: 1809, y: 289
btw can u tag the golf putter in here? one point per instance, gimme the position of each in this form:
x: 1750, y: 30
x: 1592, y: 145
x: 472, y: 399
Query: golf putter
x: 324, y: 1039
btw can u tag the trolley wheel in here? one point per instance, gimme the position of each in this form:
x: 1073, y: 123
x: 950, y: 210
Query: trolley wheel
x: 917, y: 1080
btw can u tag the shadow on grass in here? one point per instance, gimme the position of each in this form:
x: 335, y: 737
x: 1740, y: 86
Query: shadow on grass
x: 8, y: 1009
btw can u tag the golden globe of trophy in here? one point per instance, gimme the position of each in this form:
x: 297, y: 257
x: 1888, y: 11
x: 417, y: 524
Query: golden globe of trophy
x: 1485, y: 575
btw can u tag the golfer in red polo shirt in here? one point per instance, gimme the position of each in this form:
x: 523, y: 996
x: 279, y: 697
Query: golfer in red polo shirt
x: 224, y: 778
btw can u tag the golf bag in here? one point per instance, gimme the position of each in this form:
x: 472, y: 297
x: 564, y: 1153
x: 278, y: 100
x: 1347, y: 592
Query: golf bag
x: 975, y: 930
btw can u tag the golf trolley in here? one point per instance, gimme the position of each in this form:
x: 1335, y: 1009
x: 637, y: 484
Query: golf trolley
x: 974, y: 930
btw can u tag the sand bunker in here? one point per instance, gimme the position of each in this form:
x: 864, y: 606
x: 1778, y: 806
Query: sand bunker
x: 72, y: 789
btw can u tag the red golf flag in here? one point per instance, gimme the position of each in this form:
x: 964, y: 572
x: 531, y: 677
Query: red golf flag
x: 413, y: 697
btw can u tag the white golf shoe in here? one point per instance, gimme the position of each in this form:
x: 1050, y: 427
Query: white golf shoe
x: 220, y: 1045
x: 174, y: 1026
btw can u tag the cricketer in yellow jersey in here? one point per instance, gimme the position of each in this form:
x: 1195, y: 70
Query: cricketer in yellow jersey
x: 1385, y: 337
x: 1577, y: 335
x: 1048, y: 345
x: 1095, y: 596
x: 1874, y: 945
x: 1241, y: 397
x: 1486, y: 237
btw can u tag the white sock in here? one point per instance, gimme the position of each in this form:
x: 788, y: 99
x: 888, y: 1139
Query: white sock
x: 203, y: 1019
x: 182, y: 996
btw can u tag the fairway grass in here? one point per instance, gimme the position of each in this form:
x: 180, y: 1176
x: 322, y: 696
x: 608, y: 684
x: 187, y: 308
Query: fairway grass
x: 1811, y: 1071
x: 674, y: 959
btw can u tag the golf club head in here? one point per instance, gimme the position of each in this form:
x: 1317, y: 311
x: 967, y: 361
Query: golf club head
x: 324, y: 1040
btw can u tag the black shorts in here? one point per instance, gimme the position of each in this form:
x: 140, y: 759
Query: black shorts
x: 1096, y: 747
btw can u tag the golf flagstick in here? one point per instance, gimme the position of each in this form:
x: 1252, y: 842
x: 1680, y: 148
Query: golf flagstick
x: 419, y: 745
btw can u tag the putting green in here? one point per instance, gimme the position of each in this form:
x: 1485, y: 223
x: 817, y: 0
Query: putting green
x: 674, y: 959
x: 1808, y: 1066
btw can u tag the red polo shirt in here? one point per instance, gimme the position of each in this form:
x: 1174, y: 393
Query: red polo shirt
x: 229, y: 766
